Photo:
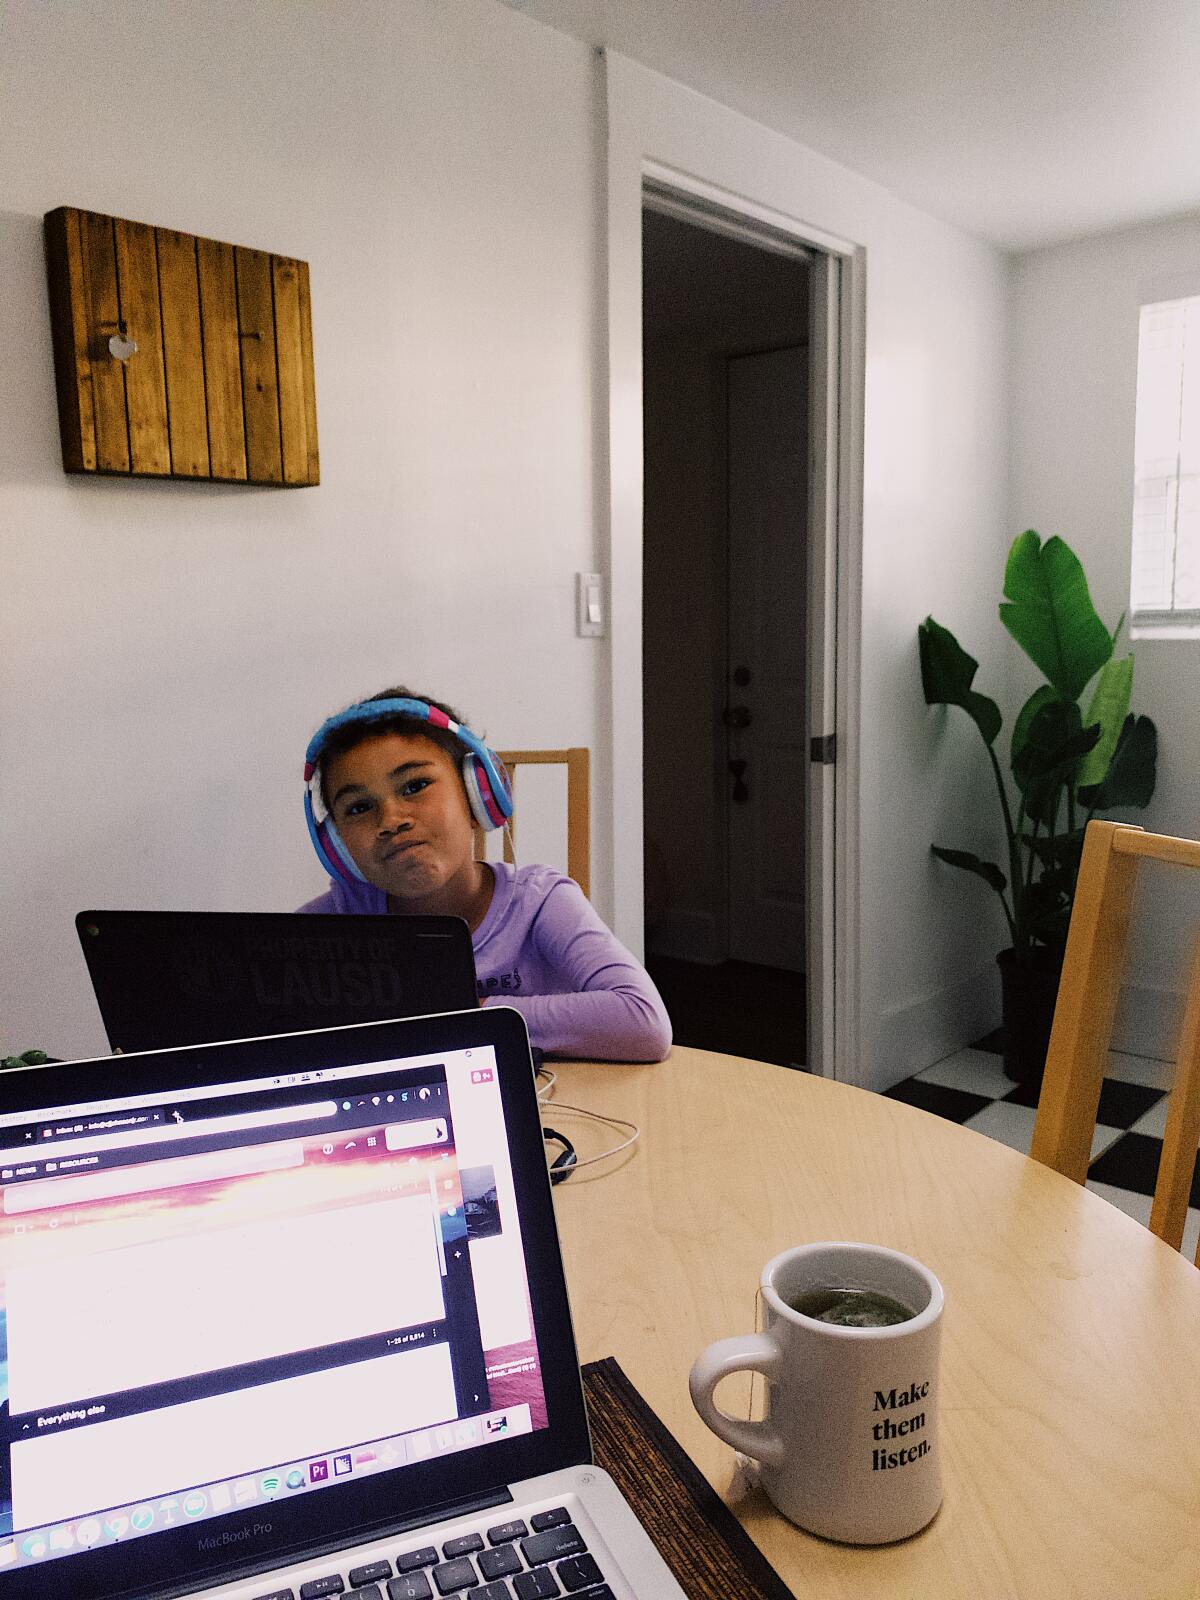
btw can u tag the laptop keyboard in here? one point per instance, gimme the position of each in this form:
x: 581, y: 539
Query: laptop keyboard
x: 542, y: 1560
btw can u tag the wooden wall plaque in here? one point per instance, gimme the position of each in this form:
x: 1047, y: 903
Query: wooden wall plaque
x: 221, y: 383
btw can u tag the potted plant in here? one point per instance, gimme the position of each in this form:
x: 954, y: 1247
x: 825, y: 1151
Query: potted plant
x: 1067, y: 764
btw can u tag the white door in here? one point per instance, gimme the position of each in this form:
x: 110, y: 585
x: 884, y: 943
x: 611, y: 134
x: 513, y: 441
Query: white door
x: 765, y: 711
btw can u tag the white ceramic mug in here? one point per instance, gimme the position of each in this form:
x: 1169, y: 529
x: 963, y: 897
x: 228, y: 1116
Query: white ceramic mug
x: 849, y: 1446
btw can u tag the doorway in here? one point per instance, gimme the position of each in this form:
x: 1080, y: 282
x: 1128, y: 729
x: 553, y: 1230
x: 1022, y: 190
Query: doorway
x: 727, y: 353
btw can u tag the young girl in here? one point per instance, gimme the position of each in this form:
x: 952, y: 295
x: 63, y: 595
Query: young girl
x: 404, y: 786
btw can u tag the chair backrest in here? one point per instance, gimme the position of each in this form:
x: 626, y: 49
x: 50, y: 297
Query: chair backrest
x: 1083, y: 1020
x: 578, y: 764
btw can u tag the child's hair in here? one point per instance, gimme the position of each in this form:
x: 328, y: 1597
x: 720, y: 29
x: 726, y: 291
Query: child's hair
x: 403, y: 722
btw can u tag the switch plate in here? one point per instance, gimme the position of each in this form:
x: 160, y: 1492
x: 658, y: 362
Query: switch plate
x: 589, y: 605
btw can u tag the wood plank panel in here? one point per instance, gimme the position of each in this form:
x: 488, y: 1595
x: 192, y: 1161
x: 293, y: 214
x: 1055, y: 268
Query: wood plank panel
x: 222, y: 360
x: 68, y: 326
x: 183, y: 356
x: 103, y: 316
x: 220, y: 384
x: 145, y: 380
x: 310, y: 384
x: 289, y: 355
x: 260, y: 384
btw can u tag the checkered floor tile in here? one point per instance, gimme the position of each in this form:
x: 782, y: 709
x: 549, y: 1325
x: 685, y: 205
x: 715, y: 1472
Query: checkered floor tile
x: 971, y: 1088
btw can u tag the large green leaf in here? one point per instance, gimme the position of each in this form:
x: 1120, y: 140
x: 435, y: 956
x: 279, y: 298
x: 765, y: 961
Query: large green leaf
x: 1021, y: 727
x: 947, y: 673
x: 1050, y: 613
x: 1046, y: 907
x: 1130, y: 778
x: 1056, y: 742
x: 1056, y: 849
x: 970, y: 862
x: 1109, y: 708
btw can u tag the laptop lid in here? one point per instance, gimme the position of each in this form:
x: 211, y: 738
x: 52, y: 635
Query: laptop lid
x: 268, y: 1298
x: 165, y: 978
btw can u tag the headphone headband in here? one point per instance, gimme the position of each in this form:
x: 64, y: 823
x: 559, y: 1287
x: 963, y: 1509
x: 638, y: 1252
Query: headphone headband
x: 376, y: 711
x: 484, y: 778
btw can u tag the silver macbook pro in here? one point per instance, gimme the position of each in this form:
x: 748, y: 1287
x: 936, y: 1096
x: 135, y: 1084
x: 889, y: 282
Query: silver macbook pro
x: 285, y: 1318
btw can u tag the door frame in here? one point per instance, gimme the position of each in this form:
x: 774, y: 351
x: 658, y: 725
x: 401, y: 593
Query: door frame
x: 834, y: 977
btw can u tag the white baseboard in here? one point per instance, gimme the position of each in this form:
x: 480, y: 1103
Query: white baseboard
x: 688, y: 936
x: 916, y: 1033
x: 919, y: 1032
x: 1148, y: 1021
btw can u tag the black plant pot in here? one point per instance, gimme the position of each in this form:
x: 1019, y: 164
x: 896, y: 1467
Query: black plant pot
x: 1028, y: 991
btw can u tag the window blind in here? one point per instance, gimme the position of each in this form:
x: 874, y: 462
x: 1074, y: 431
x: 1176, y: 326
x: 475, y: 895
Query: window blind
x: 1166, y: 492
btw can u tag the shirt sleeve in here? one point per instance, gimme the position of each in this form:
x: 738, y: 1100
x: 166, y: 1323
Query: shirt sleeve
x: 610, y: 1010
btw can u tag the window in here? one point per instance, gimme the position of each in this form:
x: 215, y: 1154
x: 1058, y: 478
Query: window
x: 1165, y: 590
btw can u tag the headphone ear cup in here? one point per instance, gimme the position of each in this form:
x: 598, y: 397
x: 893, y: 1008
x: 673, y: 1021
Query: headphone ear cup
x: 502, y: 782
x: 489, y: 811
x: 333, y: 854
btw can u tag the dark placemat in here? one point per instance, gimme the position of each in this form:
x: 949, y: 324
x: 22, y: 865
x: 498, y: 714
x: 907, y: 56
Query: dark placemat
x: 711, y: 1555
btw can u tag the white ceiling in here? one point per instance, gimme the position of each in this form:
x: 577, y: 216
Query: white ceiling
x: 1024, y: 122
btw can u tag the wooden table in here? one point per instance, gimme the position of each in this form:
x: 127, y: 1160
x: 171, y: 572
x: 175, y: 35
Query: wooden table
x: 1070, y: 1419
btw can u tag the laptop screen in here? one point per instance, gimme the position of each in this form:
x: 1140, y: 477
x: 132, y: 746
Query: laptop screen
x: 166, y: 978
x: 222, y: 1298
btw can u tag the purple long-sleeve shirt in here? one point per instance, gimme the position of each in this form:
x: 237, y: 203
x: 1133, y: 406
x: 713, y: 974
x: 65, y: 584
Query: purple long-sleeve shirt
x: 542, y: 949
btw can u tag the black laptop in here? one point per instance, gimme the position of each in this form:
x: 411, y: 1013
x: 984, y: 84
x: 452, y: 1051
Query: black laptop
x: 166, y: 978
x: 285, y: 1318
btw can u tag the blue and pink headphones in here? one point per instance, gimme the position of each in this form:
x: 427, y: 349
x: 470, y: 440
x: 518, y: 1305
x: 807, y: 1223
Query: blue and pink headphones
x: 484, y: 777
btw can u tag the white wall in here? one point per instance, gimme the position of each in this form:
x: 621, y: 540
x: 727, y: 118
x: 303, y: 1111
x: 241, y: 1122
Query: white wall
x: 167, y: 649
x: 934, y: 529
x: 1073, y: 394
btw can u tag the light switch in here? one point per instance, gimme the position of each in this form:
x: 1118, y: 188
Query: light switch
x: 589, y: 605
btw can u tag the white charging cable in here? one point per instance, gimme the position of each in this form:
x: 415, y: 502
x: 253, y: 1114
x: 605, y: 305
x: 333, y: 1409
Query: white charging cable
x: 595, y: 1116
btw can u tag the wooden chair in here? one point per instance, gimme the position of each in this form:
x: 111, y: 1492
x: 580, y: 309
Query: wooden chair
x: 578, y: 764
x: 1083, y: 1019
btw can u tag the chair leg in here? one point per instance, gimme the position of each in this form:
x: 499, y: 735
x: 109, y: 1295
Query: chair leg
x: 1182, y: 1135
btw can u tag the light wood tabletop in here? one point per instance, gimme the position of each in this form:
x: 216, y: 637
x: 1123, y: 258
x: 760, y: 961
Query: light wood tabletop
x: 1070, y: 1383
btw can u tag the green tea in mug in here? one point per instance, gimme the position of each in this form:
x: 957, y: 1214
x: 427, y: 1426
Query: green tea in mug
x: 850, y: 1308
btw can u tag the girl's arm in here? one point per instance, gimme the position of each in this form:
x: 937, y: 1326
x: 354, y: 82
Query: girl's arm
x: 612, y: 1011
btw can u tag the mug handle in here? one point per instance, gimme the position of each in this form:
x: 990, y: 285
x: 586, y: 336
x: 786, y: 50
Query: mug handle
x: 748, y: 1352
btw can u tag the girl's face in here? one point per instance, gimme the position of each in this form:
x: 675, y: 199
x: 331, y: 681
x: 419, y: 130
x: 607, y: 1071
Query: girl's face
x: 399, y: 804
